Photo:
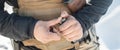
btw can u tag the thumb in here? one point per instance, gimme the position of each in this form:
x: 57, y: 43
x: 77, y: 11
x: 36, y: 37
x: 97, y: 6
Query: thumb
x: 54, y: 37
x: 54, y: 21
x: 64, y: 14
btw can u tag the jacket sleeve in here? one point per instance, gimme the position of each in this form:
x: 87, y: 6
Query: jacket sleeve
x: 90, y: 14
x: 14, y: 26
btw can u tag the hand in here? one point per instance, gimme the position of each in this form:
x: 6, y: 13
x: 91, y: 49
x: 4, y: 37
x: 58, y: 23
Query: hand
x: 42, y: 31
x: 71, y: 29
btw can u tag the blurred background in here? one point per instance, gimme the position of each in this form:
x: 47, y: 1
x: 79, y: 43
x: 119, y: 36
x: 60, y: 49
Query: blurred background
x: 108, y: 29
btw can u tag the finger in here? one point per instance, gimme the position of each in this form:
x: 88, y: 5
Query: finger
x: 56, y: 30
x: 64, y: 14
x: 72, y: 34
x: 54, y: 21
x: 72, y: 17
x: 73, y: 28
x: 70, y: 29
x: 68, y: 23
x: 77, y: 37
x: 54, y: 37
x: 80, y: 35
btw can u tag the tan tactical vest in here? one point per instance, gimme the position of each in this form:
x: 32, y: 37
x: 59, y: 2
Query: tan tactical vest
x: 44, y: 10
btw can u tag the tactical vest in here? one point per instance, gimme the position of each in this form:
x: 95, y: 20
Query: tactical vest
x: 44, y: 10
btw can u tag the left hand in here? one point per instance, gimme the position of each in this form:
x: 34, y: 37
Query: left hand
x: 71, y: 29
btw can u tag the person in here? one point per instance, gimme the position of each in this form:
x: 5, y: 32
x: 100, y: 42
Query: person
x: 79, y: 25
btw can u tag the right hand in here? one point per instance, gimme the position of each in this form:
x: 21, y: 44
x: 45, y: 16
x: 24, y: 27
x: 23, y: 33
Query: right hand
x: 42, y: 31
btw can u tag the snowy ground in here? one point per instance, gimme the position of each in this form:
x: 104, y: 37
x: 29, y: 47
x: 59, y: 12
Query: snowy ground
x: 5, y: 43
x: 108, y: 30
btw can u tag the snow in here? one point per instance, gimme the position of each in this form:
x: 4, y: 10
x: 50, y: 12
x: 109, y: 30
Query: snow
x: 5, y: 43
